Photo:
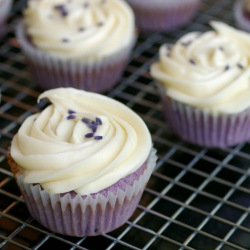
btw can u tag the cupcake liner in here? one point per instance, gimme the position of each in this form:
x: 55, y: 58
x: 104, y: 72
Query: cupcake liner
x: 163, y: 15
x: 5, y: 7
x: 203, y: 127
x: 83, y: 215
x: 90, y: 75
x: 241, y: 21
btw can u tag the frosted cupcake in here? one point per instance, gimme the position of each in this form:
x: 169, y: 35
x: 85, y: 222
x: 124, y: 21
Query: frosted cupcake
x: 242, y: 14
x: 82, y: 163
x: 204, y: 84
x: 163, y: 15
x: 81, y: 44
x: 5, y: 6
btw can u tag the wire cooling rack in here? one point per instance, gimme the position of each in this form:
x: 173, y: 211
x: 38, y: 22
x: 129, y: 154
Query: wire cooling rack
x: 197, y: 198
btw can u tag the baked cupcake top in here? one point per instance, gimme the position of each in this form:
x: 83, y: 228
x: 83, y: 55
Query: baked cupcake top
x: 79, y: 29
x: 83, y: 142
x: 208, y: 70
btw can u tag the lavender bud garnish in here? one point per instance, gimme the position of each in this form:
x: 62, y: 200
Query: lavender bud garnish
x: 71, y: 117
x: 86, y: 5
x: 86, y: 120
x: 192, y: 61
x: 227, y: 67
x: 168, y: 54
x: 99, y: 24
x: 65, y: 40
x: 186, y: 43
x: 221, y: 48
x: 89, y: 135
x: 240, y: 66
x: 71, y: 112
x: 62, y: 9
x: 169, y: 46
x: 98, y: 137
x: 93, y: 127
x: 81, y: 29
x: 98, y: 120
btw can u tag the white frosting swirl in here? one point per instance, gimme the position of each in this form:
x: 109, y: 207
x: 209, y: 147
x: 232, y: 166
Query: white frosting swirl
x: 52, y: 149
x: 79, y: 29
x: 209, y: 71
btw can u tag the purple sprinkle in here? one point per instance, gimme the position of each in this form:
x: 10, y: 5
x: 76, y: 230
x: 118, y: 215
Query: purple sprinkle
x: 169, y: 46
x: 71, y: 112
x: 71, y: 117
x: 89, y: 135
x: 93, y: 127
x: 186, y: 43
x: 65, y: 40
x: 98, y: 120
x: 62, y: 9
x: 98, y: 137
x: 168, y: 54
x: 86, y: 120
x: 86, y: 5
x: 227, y: 68
x: 221, y: 48
x: 192, y: 61
x: 99, y: 24
x: 81, y: 29
x: 240, y: 66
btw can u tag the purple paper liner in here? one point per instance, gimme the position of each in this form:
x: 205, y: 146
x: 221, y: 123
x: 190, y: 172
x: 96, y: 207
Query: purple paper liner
x: 202, y: 127
x: 163, y: 16
x: 51, y: 72
x: 241, y: 21
x: 89, y: 215
x: 5, y: 7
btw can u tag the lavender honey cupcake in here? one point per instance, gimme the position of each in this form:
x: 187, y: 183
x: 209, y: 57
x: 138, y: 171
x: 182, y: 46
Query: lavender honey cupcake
x: 82, y: 163
x: 163, y: 15
x: 81, y: 44
x: 5, y: 6
x: 204, y: 84
x: 242, y: 14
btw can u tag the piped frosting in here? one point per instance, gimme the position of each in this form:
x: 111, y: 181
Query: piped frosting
x: 82, y: 142
x: 208, y: 70
x: 80, y: 29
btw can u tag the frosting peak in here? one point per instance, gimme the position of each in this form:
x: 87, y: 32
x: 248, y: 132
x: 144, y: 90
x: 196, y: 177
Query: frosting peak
x: 208, y: 70
x: 78, y: 29
x: 83, y: 142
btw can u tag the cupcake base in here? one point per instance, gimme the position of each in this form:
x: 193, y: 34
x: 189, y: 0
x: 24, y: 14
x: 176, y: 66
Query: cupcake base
x: 94, y: 214
x: 89, y: 74
x: 163, y: 16
x: 204, y: 128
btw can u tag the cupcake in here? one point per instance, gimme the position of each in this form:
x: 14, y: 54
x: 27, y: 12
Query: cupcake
x: 82, y: 163
x: 204, y: 84
x: 242, y: 14
x: 80, y: 44
x: 5, y: 6
x: 163, y: 15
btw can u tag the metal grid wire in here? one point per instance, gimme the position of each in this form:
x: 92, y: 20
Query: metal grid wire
x: 197, y: 198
